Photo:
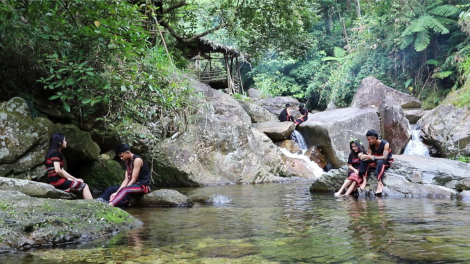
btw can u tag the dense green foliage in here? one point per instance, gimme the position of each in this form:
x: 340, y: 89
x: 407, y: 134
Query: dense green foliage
x: 91, y: 58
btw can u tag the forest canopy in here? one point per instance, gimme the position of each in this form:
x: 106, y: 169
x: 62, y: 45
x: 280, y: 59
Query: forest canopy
x: 120, y: 59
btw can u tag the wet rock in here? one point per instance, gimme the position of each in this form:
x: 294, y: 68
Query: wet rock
x: 162, y: 197
x: 32, y: 188
x: 395, y: 127
x: 276, y: 130
x: 316, y: 156
x: 298, y: 168
x: 446, y: 128
x: 371, y: 92
x: 257, y: 113
x: 290, y: 145
x: 332, y: 130
x: 29, y: 222
x: 276, y: 104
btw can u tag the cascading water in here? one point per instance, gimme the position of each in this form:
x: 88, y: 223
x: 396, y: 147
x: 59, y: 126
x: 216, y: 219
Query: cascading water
x: 312, y: 166
x: 415, y: 146
x: 299, y: 139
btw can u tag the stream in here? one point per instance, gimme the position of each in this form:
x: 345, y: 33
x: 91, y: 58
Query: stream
x: 281, y: 223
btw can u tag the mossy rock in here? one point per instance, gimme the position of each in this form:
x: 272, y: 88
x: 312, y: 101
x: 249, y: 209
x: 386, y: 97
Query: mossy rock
x: 80, y: 146
x: 100, y: 174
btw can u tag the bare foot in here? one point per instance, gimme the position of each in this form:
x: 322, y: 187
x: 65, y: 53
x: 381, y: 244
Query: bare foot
x: 337, y: 194
x: 363, y: 185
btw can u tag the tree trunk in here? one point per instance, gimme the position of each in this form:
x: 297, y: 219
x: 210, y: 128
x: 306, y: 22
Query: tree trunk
x: 358, y: 9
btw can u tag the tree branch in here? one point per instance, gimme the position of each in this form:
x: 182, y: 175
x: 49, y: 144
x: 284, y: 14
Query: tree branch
x: 171, y: 8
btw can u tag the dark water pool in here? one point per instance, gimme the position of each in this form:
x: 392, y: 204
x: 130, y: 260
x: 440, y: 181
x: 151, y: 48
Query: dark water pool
x: 282, y: 223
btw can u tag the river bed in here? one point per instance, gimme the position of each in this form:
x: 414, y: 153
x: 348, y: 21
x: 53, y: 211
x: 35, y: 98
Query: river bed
x: 281, y: 223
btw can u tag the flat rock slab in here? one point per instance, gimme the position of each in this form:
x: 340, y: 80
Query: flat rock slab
x: 162, y: 197
x: 29, y: 222
x: 275, y: 130
x: 32, y: 188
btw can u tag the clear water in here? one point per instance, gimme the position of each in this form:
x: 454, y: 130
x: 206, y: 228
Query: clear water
x: 282, y: 223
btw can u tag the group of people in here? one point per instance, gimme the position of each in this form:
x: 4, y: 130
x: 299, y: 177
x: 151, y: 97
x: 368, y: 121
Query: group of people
x: 379, y: 156
x: 137, y: 175
x: 136, y: 178
x: 287, y: 116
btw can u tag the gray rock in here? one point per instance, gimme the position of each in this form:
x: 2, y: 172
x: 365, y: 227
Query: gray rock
x: 36, y: 222
x: 413, y: 176
x: 162, y: 197
x: 276, y: 104
x: 464, y: 196
x: 253, y: 93
x: 216, y: 199
x: 257, y: 113
x: 219, y: 148
x: 332, y: 131
x: 395, y: 127
x: 446, y: 128
x: 276, y: 130
x: 371, y: 92
x: 32, y: 188
x: 413, y: 115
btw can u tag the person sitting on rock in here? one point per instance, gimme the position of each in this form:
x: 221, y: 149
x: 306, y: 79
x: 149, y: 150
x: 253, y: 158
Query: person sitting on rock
x: 285, y: 114
x: 304, y: 112
x: 58, y: 177
x: 136, y: 179
x: 380, y: 158
x: 353, y: 180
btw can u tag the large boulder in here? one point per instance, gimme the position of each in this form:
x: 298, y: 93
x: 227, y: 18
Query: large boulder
x: 408, y: 176
x: 371, y: 92
x: 253, y: 93
x: 332, y: 130
x: 276, y: 104
x: 32, y: 188
x: 447, y: 128
x: 27, y: 222
x: 23, y: 141
x: 276, y: 130
x: 80, y: 146
x: 413, y: 115
x: 257, y: 113
x: 395, y: 127
x: 164, y: 197
x: 219, y: 148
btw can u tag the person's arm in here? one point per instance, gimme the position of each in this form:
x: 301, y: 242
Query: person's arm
x: 384, y: 154
x: 64, y: 174
x: 123, y: 184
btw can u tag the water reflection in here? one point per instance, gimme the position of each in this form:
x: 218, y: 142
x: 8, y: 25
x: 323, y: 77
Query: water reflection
x: 283, y: 223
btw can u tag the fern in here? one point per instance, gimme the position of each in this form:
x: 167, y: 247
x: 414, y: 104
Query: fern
x: 408, y: 39
x: 442, y: 75
x: 339, y: 52
x: 437, y: 26
x: 423, y: 39
x: 445, y: 11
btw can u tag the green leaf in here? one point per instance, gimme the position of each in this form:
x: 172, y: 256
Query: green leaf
x: 54, y: 97
x: 422, y: 41
x: 442, y: 75
x: 90, y: 73
x: 66, y: 106
x: 86, y: 101
x: 70, y: 81
x: 123, y: 88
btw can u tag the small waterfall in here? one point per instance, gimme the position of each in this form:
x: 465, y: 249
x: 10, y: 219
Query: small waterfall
x: 312, y: 166
x: 415, y: 146
x: 297, y: 137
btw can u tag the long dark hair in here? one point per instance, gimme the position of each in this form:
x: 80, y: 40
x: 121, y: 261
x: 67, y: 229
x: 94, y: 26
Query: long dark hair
x: 360, y: 147
x: 54, y: 143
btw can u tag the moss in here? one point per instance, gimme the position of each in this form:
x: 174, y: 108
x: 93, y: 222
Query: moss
x: 101, y: 174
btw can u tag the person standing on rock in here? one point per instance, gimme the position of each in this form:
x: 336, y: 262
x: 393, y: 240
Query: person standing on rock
x: 353, y: 180
x: 380, y: 158
x: 136, y: 179
x: 58, y: 177
x: 304, y: 112
x: 285, y: 114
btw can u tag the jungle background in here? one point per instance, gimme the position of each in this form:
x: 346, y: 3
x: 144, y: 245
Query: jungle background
x: 97, y: 62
